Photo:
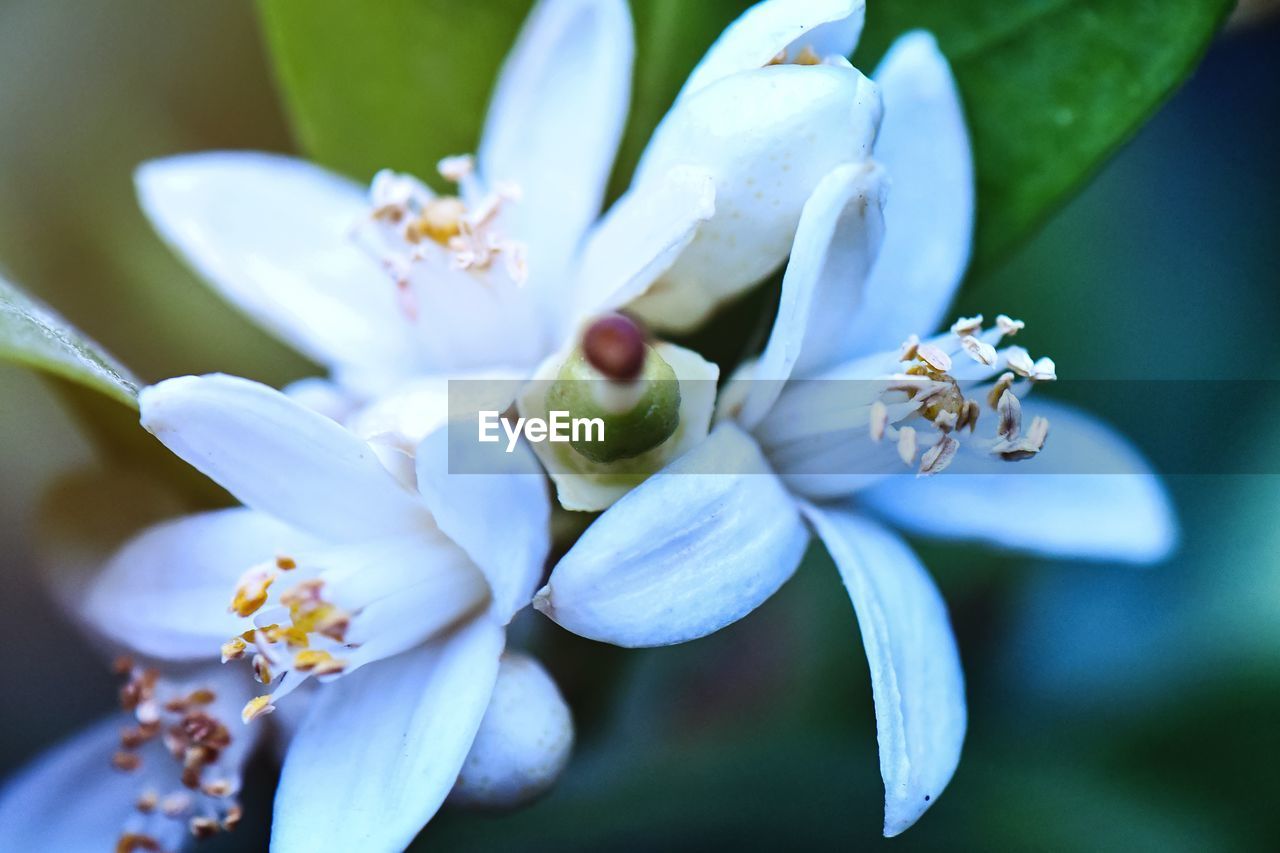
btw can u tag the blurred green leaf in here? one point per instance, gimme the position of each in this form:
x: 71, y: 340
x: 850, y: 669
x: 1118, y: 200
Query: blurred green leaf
x: 1051, y: 88
x: 34, y: 335
x: 394, y: 84
x: 100, y: 392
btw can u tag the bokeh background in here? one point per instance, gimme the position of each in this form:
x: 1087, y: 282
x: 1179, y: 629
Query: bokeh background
x: 1110, y: 708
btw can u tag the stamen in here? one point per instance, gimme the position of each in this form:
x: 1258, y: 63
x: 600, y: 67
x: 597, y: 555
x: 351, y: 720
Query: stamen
x: 251, y: 593
x: 256, y: 707
x: 1010, y: 413
x: 184, y: 740
x: 934, y: 357
x: 879, y: 420
x: 966, y: 326
x: 1009, y: 327
x: 319, y: 662
x: 979, y: 351
x: 907, y: 445
x: 937, y: 458
x: 909, y: 349
x: 1004, y: 383
x: 950, y: 403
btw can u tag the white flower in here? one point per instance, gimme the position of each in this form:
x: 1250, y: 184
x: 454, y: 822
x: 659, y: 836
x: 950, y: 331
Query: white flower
x: 708, y: 539
x: 398, y: 286
x: 771, y: 109
x: 394, y: 599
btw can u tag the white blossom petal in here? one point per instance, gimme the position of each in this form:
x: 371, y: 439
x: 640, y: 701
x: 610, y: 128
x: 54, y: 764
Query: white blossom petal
x: 273, y: 236
x: 640, y: 238
x: 554, y: 124
x: 695, y: 547
x: 1088, y: 494
x: 523, y: 743
x: 166, y: 592
x: 495, y: 505
x: 916, y: 678
x: 767, y: 29
x: 381, y: 748
x: 836, y: 243
x: 279, y: 457
x: 924, y: 145
x: 767, y: 137
x: 69, y: 798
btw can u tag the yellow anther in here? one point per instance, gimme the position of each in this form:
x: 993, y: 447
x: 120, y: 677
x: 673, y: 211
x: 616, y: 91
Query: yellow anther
x: 257, y: 707
x: 233, y: 649
x: 440, y: 221
x: 286, y: 564
x: 320, y: 662
x: 251, y: 593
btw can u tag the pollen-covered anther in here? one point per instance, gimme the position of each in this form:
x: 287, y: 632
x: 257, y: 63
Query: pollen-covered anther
x: 203, y: 827
x: 907, y: 445
x: 176, y: 805
x: 937, y: 458
x: 804, y: 56
x: 252, y: 591
x: 126, y: 761
x: 132, y: 842
x: 968, y: 417
x: 967, y: 326
x: 934, y: 357
x: 234, y: 649
x: 1009, y: 411
x: 261, y: 669
x: 1009, y: 327
x: 232, y: 818
x: 1020, y: 362
x: 946, y: 420
x: 286, y: 564
x: 1004, y: 383
x: 909, y: 348
x: 980, y: 351
x: 318, y: 662
x: 879, y: 420
x: 217, y: 788
x: 256, y: 707
x: 1026, y: 446
x: 147, y: 802
x: 456, y: 168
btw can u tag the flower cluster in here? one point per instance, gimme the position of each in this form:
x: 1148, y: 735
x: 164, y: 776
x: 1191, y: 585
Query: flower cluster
x: 363, y: 588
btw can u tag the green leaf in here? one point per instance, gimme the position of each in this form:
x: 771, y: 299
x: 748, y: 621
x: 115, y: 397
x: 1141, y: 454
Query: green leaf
x: 393, y: 84
x: 34, y: 335
x: 1051, y: 88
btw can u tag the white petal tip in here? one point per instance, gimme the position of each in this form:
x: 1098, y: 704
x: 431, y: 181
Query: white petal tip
x: 542, y: 602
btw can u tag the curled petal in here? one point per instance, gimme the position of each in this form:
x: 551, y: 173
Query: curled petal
x: 915, y: 668
x: 695, y: 547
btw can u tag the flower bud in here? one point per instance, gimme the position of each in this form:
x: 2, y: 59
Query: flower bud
x: 638, y: 415
x: 523, y: 743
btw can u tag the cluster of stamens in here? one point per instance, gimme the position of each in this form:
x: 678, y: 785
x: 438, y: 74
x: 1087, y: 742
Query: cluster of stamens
x: 296, y: 641
x: 804, y: 56
x: 421, y: 223
x: 950, y: 406
x: 185, y: 727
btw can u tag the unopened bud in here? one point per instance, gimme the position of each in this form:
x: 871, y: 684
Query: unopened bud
x: 523, y: 742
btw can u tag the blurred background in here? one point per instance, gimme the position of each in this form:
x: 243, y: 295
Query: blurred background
x: 1109, y: 707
